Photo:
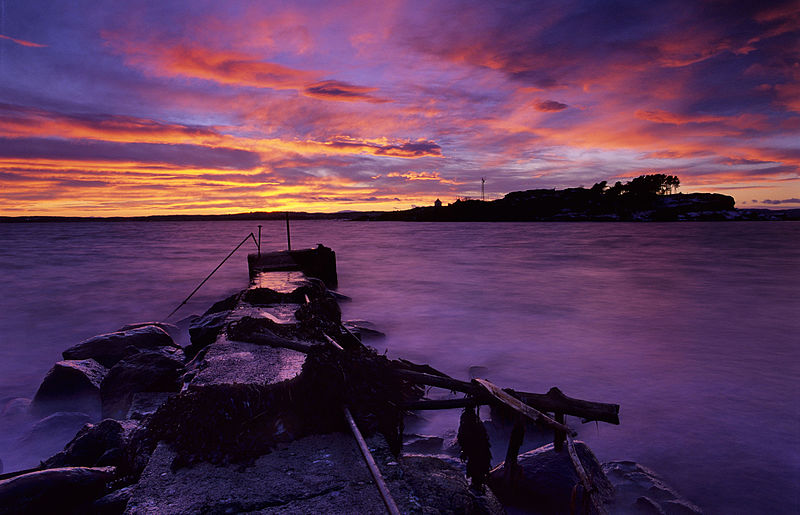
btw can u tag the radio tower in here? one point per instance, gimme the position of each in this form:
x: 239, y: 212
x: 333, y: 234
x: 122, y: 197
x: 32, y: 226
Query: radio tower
x: 483, y: 181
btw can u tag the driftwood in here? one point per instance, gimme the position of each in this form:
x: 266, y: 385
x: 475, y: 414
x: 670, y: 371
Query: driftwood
x: 391, y: 507
x: 588, y: 486
x: 552, y: 401
x: 517, y: 405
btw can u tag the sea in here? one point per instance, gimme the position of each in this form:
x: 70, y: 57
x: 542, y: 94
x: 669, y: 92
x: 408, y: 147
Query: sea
x: 692, y: 328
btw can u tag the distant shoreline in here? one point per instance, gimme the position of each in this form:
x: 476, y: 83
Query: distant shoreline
x: 647, y: 198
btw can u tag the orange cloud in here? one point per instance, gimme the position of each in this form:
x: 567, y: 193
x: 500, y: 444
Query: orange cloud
x: 221, y: 66
x: 20, y: 121
x: 421, y: 176
x: 22, y: 42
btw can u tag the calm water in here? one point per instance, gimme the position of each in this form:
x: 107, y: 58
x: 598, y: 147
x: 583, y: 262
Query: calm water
x: 693, y: 328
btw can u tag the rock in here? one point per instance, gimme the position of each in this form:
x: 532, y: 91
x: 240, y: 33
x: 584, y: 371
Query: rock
x: 142, y: 372
x: 71, y: 385
x: 92, y: 443
x: 146, y: 403
x: 640, y: 490
x: 170, y: 329
x: 422, y: 444
x: 226, y: 304
x: 544, y: 480
x: 58, y: 490
x: 55, y: 429
x: 108, y: 349
x: 204, y: 331
x: 113, y: 503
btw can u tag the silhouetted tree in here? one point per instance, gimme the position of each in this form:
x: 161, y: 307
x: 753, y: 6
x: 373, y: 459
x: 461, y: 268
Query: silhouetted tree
x: 657, y: 183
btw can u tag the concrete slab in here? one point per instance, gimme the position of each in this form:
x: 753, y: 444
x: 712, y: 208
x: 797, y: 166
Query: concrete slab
x: 229, y: 362
x: 312, y: 475
x: 318, y: 474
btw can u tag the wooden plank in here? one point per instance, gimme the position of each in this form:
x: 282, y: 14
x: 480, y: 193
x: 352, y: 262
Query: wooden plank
x: 516, y: 404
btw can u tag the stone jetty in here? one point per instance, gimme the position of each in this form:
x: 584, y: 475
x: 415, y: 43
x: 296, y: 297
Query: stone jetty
x: 251, y: 416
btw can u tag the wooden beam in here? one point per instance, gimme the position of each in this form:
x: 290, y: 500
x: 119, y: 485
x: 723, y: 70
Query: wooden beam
x: 552, y: 401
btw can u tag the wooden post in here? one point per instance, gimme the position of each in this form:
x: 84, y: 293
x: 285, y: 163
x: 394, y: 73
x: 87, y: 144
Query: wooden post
x: 288, y: 234
x: 559, y: 435
x: 515, y: 442
x: 259, y: 241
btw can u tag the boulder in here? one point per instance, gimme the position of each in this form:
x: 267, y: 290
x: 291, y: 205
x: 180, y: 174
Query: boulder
x: 108, y: 349
x: 113, y: 503
x: 49, y: 435
x: 544, y: 479
x: 204, y: 331
x: 92, y: 443
x: 71, y: 385
x: 60, y: 426
x: 142, y: 372
x: 170, y: 329
x: 225, y: 304
x: 60, y: 490
x: 640, y: 490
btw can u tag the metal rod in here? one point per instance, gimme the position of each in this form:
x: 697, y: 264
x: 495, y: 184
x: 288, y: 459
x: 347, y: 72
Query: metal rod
x: 212, y: 272
x: 288, y: 233
x: 391, y: 507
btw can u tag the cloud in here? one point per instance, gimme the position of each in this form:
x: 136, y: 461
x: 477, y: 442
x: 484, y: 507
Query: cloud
x: 419, y: 148
x: 549, y: 106
x: 22, y: 42
x: 337, y: 90
x: 229, y: 67
x: 19, y: 121
x: 779, y: 202
x: 180, y: 155
x: 661, y: 116
x: 421, y: 176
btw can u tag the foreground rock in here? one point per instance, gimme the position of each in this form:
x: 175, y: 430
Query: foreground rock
x: 316, y: 474
x: 108, y: 349
x: 71, y: 385
x: 59, y: 490
x: 142, y: 372
x: 544, y: 480
x: 640, y: 490
x: 96, y: 445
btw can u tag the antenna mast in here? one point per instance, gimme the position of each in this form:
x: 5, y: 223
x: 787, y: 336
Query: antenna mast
x: 483, y: 181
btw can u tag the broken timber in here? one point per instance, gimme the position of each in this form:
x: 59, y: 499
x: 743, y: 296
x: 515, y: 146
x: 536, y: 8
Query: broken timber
x: 553, y: 401
x: 521, y: 407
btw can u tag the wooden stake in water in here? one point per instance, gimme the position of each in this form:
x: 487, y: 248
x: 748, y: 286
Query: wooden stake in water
x: 288, y: 234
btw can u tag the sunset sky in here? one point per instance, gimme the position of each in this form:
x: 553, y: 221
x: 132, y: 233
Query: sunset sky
x: 166, y: 107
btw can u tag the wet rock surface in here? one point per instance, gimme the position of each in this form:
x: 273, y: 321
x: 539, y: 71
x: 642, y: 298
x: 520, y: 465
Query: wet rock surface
x: 71, y: 385
x: 108, y: 349
x: 205, y: 330
x: 98, y: 444
x: 639, y: 490
x: 141, y: 372
x: 544, y: 479
x: 59, y: 490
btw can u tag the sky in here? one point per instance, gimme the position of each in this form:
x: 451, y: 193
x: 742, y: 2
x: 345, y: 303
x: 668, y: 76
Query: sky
x: 164, y: 107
